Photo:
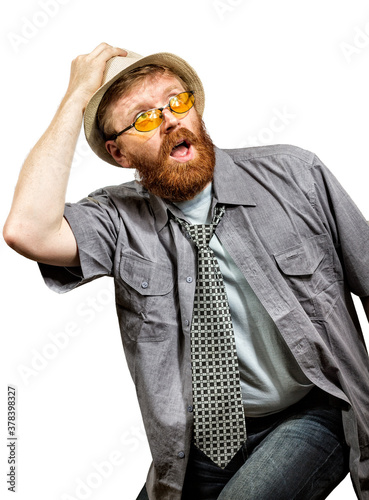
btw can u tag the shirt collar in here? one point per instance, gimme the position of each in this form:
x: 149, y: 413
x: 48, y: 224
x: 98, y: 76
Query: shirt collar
x: 229, y: 188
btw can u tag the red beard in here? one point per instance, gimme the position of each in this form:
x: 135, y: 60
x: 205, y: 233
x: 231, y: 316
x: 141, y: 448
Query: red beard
x: 170, y: 179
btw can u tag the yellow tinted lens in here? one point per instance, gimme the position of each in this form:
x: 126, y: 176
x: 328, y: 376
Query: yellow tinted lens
x: 149, y: 120
x: 182, y: 102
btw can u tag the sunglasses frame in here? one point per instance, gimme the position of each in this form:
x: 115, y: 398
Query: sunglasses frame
x: 115, y: 136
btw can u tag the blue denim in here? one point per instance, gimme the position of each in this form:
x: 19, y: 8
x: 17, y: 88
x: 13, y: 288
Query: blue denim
x: 299, y: 453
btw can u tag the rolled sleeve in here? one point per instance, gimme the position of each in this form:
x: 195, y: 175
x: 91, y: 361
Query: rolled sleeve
x: 348, y: 226
x: 95, y: 225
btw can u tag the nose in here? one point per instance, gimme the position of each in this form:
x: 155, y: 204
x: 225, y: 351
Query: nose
x: 170, y: 120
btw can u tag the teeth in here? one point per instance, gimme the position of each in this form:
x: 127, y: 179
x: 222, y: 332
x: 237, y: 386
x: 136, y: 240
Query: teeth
x: 180, y: 144
x: 181, y: 149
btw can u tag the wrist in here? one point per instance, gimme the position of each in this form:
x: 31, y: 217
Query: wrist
x: 77, y: 99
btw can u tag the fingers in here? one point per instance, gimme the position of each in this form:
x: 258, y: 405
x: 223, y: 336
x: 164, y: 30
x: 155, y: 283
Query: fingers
x: 107, y: 51
x: 102, y: 53
x: 87, y: 70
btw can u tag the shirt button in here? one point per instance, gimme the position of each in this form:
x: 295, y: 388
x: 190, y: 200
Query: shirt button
x: 188, y: 236
x: 299, y: 347
x: 144, y: 284
x: 190, y: 408
x: 189, y: 279
x: 181, y: 454
x: 187, y: 323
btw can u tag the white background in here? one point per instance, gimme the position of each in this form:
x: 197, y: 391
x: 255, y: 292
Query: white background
x: 305, y: 59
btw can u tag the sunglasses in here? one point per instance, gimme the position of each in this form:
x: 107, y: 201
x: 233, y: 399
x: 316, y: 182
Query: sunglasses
x: 153, y: 118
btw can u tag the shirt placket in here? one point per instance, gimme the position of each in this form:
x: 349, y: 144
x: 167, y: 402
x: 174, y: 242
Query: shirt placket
x: 186, y: 279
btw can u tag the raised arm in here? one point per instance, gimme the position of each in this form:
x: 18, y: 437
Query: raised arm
x: 35, y: 226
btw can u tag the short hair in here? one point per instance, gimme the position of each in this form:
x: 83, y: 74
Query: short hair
x: 124, y: 84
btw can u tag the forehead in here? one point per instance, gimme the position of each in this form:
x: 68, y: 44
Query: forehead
x: 154, y: 80
x: 150, y: 92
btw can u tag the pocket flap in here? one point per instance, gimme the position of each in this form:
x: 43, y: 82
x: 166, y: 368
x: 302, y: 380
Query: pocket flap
x: 301, y: 260
x: 145, y: 276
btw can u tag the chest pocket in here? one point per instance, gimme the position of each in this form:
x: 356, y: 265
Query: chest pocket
x: 312, y: 274
x: 145, y: 298
x: 146, y: 277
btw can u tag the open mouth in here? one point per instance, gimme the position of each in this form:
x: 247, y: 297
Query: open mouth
x: 182, y: 151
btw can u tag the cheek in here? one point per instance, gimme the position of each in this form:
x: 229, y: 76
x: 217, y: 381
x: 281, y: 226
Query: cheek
x: 192, y: 121
x: 147, y: 147
x: 143, y: 144
x: 138, y: 138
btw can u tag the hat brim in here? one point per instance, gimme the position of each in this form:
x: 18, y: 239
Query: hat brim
x: 175, y: 63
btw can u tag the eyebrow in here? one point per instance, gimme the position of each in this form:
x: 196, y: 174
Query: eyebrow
x: 144, y: 108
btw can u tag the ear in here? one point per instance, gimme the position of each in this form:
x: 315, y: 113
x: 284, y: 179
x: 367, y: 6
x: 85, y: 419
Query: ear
x: 117, y: 154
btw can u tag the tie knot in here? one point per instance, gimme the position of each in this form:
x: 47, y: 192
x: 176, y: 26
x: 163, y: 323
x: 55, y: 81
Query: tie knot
x: 201, y: 234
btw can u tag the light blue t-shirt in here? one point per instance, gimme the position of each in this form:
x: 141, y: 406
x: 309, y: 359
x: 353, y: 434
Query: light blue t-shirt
x: 271, y: 379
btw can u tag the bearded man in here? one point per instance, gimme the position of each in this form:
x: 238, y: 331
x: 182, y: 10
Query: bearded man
x: 233, y: 272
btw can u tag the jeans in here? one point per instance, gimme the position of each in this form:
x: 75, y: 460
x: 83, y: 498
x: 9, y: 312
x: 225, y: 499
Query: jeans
x: 299, y: 453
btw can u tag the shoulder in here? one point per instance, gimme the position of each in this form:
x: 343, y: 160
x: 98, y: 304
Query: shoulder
x: 275, y: 153
x: 276, y: 162
x: 129, y: 189
x: 129, y: 192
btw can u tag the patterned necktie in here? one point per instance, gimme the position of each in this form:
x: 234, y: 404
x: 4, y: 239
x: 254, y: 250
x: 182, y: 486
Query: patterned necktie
x: 219, y: 420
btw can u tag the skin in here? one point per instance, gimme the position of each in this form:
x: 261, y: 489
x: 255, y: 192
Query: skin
x: 35, y: 226
x: 153, y: 93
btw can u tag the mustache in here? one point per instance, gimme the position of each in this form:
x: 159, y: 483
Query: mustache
x: 173, y: 138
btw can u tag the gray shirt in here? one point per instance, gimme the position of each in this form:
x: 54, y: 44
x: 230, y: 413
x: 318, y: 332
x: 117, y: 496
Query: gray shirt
x: 301, y: 244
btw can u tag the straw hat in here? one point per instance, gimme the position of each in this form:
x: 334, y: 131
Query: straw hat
x: 118, y: 66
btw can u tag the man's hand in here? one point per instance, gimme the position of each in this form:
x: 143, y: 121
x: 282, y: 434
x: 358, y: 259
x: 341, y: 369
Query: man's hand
x: 87, y: 71
x: 36, y: 227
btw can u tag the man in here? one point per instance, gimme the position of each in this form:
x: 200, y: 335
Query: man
x: 290, y: 245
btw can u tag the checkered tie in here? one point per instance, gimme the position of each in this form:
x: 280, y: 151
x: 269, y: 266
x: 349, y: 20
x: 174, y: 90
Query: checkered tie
x: 219, y: 420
